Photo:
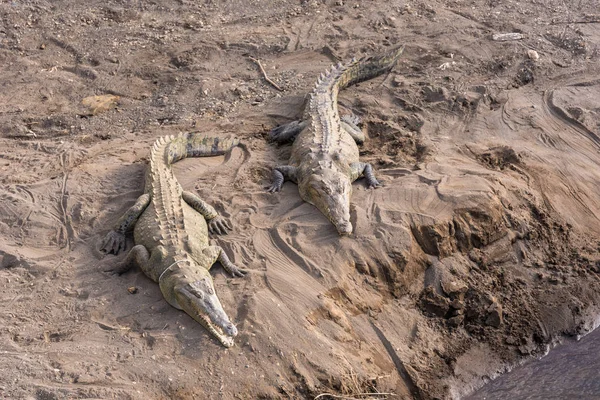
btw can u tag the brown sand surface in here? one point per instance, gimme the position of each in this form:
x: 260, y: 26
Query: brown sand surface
x: 480, y: 249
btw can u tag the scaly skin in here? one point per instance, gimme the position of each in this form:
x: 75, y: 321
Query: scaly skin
x: 171, y: 235
x: 325, y: 159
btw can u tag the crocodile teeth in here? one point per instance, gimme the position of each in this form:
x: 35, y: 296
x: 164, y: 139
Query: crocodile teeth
x: 216, y: 331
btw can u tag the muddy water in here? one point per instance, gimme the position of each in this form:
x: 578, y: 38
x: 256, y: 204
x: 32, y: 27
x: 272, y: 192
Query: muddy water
x: 570, y: 371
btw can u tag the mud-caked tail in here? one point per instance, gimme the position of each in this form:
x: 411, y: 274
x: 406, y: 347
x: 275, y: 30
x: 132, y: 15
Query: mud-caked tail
x: 197, y: 144
x: 369, y: 67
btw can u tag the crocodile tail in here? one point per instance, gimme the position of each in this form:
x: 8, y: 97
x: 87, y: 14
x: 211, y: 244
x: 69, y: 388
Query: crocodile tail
x: 200, y: 145
x: 196, y: 144
x: 368, y: 68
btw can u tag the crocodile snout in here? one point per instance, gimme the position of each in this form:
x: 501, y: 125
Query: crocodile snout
x: 344, y: 229
x: 230, y: 330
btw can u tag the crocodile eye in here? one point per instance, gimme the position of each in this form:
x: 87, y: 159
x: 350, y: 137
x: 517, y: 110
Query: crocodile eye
x: 207, y: 287
x: 195, y: 291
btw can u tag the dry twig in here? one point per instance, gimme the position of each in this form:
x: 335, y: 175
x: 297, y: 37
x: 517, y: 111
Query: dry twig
x: 337, y: 396
x: 276, y: 86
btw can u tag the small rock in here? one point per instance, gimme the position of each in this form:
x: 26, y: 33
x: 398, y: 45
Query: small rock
x: 242, y: 92
x: 533, y: 55
x: 457, y: 304
x: 398, y: 81
x: 503, y: 37
x: 435, y: 94
x: 469, y: 99
x: 385, y: 161
x: 8, y: 260
x: 456, y: 321
x: 434, y: 304
x: 577, y: 113
x: 494, y: 318
x: 511, y: 340
x: 132, y: 289
x: 415, y: 122
x: 454, y: 288
x: 527, y: 348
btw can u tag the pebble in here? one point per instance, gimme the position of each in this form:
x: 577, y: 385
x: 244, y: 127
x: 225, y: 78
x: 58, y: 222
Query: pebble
x: 494, y: 318
x: 533, y: 55
x: 503, y: 37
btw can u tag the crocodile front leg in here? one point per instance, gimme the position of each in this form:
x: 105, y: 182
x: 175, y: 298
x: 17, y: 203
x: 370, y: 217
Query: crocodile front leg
x: 216, y: 253
x: 350, y: 125
x: 287, y: 132
x: 216, y: 223
x: 281, y: 174
x: 138, y: 256
x: 364, y: 169
x: 114, y: 241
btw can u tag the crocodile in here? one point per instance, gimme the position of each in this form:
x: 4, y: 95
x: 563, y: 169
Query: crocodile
x: 325, y: 159
x: 171, y: 229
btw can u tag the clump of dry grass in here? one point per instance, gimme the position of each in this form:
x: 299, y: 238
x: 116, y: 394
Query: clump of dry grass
x: 352, y: 387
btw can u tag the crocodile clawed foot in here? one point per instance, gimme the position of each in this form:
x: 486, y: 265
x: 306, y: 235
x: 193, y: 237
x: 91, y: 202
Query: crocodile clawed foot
x: 374, y: 184
x: 237, y: 272
x: 219, y: 225
x: 113, y: 242
x: 274, y: 188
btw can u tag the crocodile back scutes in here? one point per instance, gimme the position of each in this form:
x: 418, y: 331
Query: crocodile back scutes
x: 322, y: 107
x: 166, y: 196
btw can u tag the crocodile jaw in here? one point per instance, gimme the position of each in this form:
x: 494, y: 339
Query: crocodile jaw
x: 344, y: 228
x: 198, y: 299
x: 216, y: 331
x: 339, y: 215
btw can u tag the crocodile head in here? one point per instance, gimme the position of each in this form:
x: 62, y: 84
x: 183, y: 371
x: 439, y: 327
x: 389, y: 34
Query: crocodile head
x: 197, y: 298
x: 329, y: 190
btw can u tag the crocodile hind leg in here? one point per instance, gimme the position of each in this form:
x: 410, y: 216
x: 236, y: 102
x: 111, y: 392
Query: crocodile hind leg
x: 137, y: 256
x: 364, y: 169
x: 216, y: 253
x: 287, y: 132
x: 216, y: 223
x: 114, y: 241
x: 350, y: 125
x: 281, y: 174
